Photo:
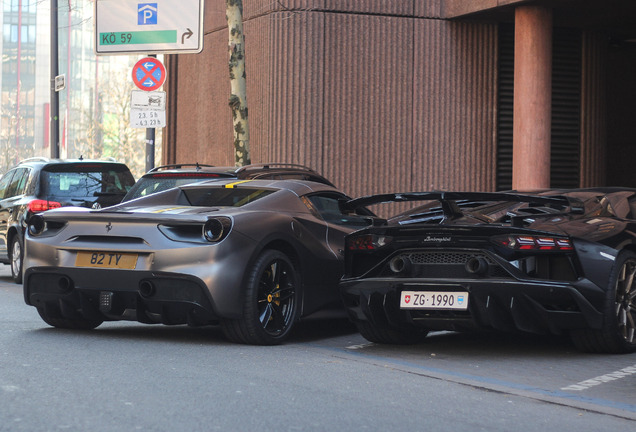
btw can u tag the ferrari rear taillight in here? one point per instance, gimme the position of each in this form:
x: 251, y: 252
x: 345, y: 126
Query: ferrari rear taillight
x: 534, y: 243
x: 37, y: 206
x: 367, y: 242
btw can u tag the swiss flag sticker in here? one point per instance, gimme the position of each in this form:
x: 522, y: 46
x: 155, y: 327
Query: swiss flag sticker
x: 407, y: 298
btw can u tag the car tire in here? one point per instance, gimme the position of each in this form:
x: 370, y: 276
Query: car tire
x: 271, y: 302
x: 389, y: 336
x: 17, y: 258
x: 54, y: 320
x: 618, y: 334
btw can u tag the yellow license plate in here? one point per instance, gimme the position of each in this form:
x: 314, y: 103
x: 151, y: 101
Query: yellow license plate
x: 106, y: 260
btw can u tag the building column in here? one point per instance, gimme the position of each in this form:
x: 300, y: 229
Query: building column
x: 532, y: 98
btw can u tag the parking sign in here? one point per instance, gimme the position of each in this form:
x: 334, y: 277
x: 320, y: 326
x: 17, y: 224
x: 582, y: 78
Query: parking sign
x: 147, y: 13
x: 143, y: 27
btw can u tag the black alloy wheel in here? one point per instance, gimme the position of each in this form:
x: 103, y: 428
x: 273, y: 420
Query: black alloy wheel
x: 625, y: 304
x: 271, y: 302
x: 618, y: 334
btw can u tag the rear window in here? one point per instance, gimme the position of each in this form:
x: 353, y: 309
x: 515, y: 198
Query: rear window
x: 224, y: 197
x: 160, y: 182
x: 86, y: 180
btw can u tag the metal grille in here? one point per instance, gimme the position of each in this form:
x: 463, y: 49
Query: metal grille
x: 422, y: 258
x: 443, y: 264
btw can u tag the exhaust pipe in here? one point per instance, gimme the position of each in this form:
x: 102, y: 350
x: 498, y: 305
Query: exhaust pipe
x: 65, y: 284
x: 476, y: 266
x: 400, y: 265
x: 146, y: 289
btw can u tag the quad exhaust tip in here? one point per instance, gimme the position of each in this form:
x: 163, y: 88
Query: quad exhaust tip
x: 400, y: 265
x: 146, y: 289
x: 476, y: 266
x: 65, y: 284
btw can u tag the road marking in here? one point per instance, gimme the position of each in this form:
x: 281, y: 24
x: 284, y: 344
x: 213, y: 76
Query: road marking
x: 583, y: 385
x: 360, y: 346
x: 10, y: 388
x: 558, y: 397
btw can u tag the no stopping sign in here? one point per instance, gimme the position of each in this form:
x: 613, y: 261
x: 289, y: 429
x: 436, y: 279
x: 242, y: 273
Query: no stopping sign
x: 149, y: 74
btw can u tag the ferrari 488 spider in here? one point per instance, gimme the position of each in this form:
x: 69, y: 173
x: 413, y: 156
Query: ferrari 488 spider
x: 253, y: 256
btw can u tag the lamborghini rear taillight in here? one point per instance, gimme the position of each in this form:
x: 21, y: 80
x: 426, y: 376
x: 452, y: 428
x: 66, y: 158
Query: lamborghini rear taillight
x: 534, y: 243
x: 367, y: 242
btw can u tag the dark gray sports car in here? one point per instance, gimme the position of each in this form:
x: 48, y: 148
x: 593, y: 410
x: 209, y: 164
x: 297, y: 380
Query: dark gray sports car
x: 559, y: 261
x: 253, y: 256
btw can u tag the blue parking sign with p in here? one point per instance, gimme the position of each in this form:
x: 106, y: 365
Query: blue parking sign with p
x: 146, y: 13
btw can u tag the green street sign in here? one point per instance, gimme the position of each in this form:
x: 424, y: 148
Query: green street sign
x: 138, y: 37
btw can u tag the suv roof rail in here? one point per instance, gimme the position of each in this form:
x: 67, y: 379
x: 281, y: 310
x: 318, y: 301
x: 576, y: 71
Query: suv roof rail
x: 275, y: 165
x: 197, y: 165
x: 35, y: 159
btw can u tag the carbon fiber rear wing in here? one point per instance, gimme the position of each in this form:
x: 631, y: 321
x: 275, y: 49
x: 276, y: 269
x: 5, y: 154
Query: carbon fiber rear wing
x: 448, y: 199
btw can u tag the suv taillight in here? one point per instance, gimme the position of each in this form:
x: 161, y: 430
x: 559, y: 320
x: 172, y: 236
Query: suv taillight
x: 37, y: 206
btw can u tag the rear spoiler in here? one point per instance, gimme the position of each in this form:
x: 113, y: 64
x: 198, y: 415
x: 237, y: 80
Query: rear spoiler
x: 448, y: 199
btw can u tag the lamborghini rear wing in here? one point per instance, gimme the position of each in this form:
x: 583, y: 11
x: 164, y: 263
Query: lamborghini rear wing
x: 448, y: 199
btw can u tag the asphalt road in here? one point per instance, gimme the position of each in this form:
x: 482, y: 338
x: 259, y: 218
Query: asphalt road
x: 125, y: 376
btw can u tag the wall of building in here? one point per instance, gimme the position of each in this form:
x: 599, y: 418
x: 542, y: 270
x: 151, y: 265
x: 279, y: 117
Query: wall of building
x: 379, y: 96
x: 593, y: 109
x: 621, y: 108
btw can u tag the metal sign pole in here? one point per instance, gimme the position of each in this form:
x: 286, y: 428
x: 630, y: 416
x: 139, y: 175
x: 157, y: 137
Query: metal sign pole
x: 54, y: 120
x: 150, y: 148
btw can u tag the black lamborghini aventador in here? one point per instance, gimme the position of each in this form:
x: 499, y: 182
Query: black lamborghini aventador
x: 555, y: 261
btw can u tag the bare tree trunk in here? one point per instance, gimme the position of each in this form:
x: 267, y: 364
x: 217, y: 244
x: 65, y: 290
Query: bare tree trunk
x: 238, y: 96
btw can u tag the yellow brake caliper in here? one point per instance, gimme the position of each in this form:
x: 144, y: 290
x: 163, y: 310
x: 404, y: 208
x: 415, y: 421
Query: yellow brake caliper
x: 274, y: 298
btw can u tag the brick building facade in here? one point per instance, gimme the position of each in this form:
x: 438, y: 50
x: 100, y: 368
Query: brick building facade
x: 419, y: 94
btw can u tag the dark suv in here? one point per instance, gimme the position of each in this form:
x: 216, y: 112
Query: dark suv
x: 169, y: 176
x: 40, y: 184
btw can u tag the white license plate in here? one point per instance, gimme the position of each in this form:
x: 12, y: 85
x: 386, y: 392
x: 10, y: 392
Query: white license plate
x: 433, y: 300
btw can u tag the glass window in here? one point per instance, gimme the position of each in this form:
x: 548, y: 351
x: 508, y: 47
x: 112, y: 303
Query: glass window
x: 157, y: 183
x: 4, y: 183
x: 224, y: 197
x: 84, y: 181
x: 328, y: 207
x: 18, y: 183
x: 14, y: 33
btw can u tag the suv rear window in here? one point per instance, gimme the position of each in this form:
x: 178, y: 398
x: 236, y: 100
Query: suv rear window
x: 85, y: 180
